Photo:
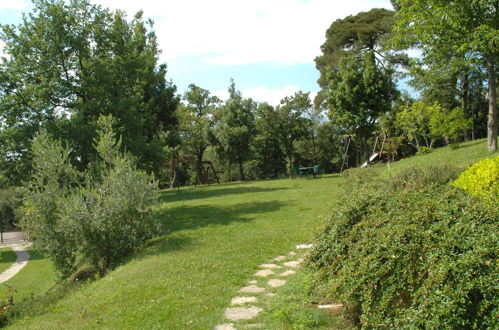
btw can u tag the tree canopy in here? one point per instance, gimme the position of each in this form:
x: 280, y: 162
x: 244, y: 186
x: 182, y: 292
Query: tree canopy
x: 66, y: 64
x: 467, y: 29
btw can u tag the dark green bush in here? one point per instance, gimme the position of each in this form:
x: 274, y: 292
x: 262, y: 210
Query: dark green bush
x: 419, y: 255
x: 9, y: 203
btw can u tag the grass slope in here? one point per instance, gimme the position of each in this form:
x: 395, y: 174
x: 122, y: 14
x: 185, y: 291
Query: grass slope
x: 7, y: 258
x: 217, y: 236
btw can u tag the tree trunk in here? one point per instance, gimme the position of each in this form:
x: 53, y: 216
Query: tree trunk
x: 199, y: 166
x: 492, y: 117
x: 314, y: 148
x: 241, y: 169
x: 290, y: 165
x: 174, y: 183
x: 465, y: 101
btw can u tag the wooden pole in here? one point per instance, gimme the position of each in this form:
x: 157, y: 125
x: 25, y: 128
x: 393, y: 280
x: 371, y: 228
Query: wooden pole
x: 346, y: 153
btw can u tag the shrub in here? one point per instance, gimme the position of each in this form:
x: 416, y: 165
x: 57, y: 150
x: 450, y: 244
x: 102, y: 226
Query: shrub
x: 99, y: 216
x: 9, y: 202
x: 423, y: 151
x: 481, y: 179
x: 421, y: 256
x: 417, y: 177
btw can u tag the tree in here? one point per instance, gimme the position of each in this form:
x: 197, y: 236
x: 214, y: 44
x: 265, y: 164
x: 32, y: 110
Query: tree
x: 100, y: 215
x: 452, y: 82
x: 196, y: 123
x: 289, y: 123
x: 268, y: 152
x: 69, y: 62
x: 354, y: 35
x: 422, y: 124
x: 358, y: 93
x: 470, y: 29
x: 236, y: 127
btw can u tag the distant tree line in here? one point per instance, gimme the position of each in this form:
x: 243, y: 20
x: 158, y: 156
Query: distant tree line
x: 68, y: 63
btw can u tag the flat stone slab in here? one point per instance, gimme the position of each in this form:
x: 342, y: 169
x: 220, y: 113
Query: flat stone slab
x: 287, y: 273
x: 270, y: 266
x: 304, y: 246
x: 270, y: 294
x: 292, y: 253
x: 332, y: 306
x: 292, y: 264
x: 242, y: 313
x: 275, y: 283
x: 226, y: 326
x: 252, y: 289
x: 253, y: 282
x: 279, y: 258
x: 243, y: 300
x: 264, y: 273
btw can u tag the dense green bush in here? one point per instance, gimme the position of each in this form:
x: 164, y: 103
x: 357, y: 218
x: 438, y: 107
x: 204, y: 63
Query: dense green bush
x: 416, y: 255
x: 9, y: 202
x: 481, y: 179
x: 99, y: 216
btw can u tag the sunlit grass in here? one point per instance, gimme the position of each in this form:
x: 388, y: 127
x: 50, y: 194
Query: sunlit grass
x: 215, y: 238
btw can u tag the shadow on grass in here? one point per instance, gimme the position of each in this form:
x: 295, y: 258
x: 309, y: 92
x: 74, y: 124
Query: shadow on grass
x: 202, y: 192
x: 194, y: 217
x: 164, y: 244
x: 7, y: 256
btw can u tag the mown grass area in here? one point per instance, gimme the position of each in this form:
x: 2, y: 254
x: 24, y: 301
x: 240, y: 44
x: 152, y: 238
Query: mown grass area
x: 216, y: 236
x: 37, y: 277
x: 463, y: 155
x: 7, y: 257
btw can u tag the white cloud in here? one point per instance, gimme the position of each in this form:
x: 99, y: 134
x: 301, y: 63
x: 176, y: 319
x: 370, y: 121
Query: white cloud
x: 263, y: 94
x: 13, y: 4
x: 231, y: 32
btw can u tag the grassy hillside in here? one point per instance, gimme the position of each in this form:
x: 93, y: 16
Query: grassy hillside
x: 216, y: 237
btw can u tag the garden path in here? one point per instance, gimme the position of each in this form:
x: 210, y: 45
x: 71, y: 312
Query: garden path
x: 17, y: 242
x: 270, y: 270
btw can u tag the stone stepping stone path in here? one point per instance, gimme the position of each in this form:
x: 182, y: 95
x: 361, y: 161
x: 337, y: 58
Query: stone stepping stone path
x: 276, y: 283
x: 249, y: 308
x: 243, y: 300
x: 264, y: 273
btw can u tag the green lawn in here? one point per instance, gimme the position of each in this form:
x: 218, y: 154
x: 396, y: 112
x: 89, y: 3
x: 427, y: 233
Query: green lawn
x: 217, y: 236
x: 36, y: 278
x: 7, y: 257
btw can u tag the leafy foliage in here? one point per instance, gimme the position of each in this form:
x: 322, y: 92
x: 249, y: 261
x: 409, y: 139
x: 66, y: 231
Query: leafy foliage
x: 69, y: 62
x: 463, y: 30
x: 481, y: 179
x: 422, y: 124
x: 358, y: 93
x: 9, y: 203
x: 350, y: 36
x: 236, y: 128
x: 196, y: 125
x: 99, y: 216
x: 414, y: 253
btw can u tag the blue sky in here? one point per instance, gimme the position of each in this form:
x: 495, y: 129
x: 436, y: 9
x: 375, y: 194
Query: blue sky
x: 267, y: 46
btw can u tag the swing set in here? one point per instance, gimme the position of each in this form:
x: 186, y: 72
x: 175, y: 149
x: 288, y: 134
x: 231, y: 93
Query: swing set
x: 376, y: 154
